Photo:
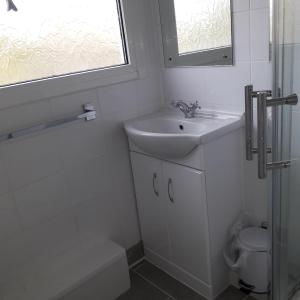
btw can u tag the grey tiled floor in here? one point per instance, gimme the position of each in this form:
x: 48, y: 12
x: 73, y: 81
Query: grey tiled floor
x: 150, y: 283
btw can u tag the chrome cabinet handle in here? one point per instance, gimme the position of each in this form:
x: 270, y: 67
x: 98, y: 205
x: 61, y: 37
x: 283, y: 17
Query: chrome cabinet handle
x: 169, y: 190
x: 154, y: 179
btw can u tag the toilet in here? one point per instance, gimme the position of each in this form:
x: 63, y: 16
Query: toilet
x: 254, y: 251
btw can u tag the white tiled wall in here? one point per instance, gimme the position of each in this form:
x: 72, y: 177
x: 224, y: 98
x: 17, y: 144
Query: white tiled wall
x: 75, y: 180
x: 223, y: 87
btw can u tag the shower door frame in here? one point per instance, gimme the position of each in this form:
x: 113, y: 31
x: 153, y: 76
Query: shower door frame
x: 278, y: 232
x: 274, y: 198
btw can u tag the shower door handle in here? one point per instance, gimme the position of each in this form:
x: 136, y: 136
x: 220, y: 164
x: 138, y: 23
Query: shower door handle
x: 262, y: 103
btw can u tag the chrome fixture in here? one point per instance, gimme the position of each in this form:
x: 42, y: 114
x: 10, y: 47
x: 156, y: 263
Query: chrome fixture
x: 188, y: 110
x: 155, y: 190
x: 171, y: 198
x: 263, y: 101
x: 11, y: 5
x: 89, y: 113
x: 249, y: 95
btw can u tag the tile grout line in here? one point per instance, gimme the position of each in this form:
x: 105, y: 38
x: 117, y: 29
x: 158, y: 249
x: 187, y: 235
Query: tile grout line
x: 136, y: 264
x: 154, y: 285
x: 134, y: 268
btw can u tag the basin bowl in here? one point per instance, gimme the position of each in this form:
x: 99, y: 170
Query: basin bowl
x: 169, y: 135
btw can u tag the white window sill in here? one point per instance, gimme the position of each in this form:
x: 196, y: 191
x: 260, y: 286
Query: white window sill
x: 58, y: 86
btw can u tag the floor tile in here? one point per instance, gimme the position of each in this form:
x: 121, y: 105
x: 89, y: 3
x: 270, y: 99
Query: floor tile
x: 232, y: 293
x: 137, y: 266
x: 259, y: 297
x: 135, y: 253
x: 166, y: 283
x: 142, y: 290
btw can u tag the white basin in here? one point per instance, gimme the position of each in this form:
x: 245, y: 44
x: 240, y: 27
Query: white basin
x: 169, y: 135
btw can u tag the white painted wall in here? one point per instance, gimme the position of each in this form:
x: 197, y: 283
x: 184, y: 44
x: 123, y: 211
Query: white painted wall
x: 75, y: 181
x: 223, y: 87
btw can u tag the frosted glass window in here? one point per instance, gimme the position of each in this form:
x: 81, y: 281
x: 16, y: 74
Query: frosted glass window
x: 48, y: 38
x: 202, y: 24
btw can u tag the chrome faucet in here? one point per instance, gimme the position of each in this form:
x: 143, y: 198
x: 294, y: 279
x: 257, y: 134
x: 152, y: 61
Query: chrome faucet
x: 188, y: 110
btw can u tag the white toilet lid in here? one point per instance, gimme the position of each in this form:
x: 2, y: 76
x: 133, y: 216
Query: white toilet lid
x: 255, y: 238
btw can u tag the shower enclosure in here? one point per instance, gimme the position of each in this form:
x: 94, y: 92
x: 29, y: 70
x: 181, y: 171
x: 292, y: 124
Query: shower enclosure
x: 282, y: 140
x: 285, y: 203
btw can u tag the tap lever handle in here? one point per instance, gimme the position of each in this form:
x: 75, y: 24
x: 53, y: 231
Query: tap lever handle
x: 189, y: 110
x: 192, y: 105
x: 195, y: 105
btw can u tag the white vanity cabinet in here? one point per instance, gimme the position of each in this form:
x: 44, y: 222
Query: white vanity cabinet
x: 152, y: 207
x: 172, y: 210
x: 187, y: 218
x: 187, y: 205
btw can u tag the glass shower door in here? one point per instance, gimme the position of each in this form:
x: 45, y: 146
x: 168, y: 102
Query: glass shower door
x: 286, y: 143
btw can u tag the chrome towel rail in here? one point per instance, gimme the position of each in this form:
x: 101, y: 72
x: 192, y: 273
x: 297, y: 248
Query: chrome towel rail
x: 89, y: 113
x: 264, y: 100
x: 262, y: 104
x: 249, y: 96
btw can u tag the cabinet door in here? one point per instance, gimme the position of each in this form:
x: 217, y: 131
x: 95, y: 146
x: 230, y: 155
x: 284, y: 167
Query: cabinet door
x: 152, y: 206
x: 187, y: 219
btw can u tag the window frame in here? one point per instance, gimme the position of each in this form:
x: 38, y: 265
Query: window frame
x: 216, y: 56
x: 22, y: 92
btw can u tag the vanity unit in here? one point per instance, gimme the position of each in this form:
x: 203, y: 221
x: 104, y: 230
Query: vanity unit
x: 188, y: 182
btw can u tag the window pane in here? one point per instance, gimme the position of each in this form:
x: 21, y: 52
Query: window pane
x: 202, y: 24
x: 53, y: 37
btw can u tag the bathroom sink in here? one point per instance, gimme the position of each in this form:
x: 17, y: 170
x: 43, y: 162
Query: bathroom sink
x: 168, y: 134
